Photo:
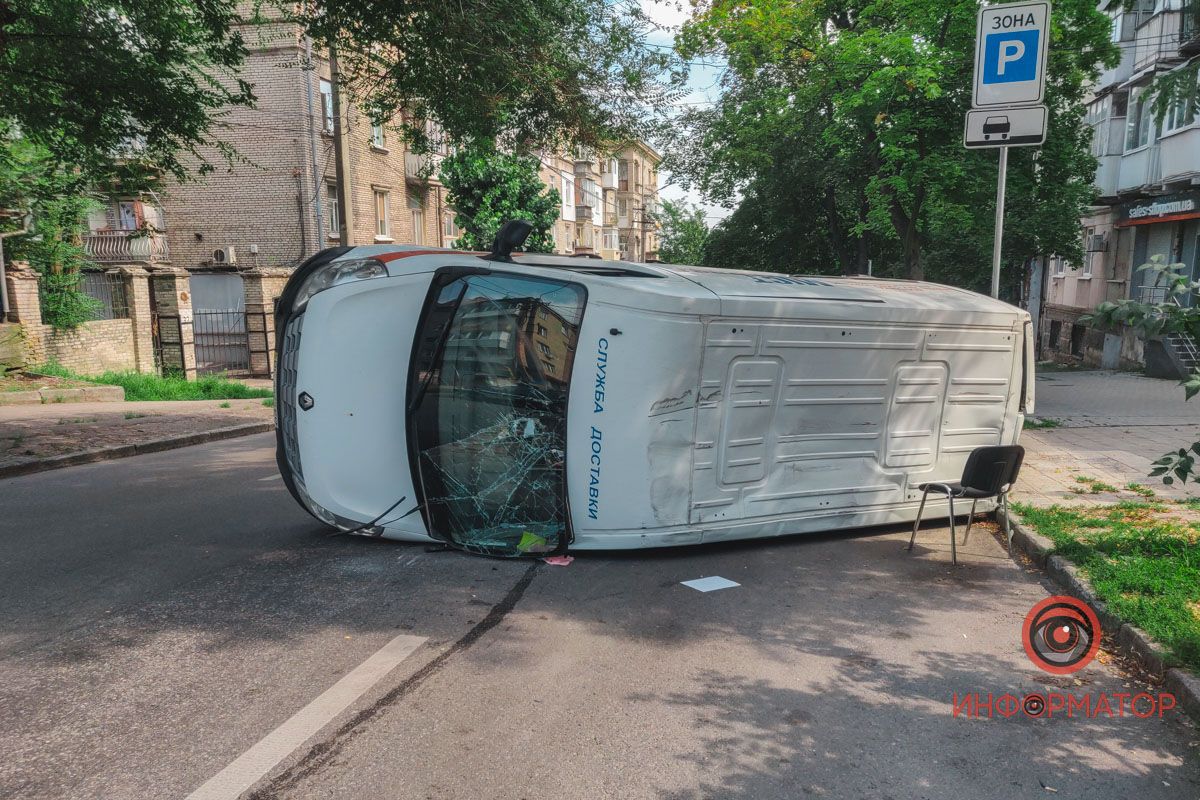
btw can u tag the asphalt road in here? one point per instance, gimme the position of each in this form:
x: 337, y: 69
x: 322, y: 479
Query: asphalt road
x: 164, y: 615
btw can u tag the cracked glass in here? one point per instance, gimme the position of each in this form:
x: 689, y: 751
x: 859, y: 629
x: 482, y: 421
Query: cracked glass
x: 488, y: 411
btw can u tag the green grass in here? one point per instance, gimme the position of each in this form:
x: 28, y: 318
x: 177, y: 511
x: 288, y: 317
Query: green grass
x: 141, y: 386
x: 224, y: 405
x: 1139, y: 489
x: 1096, y: 486
x: 269, y: 402
x: 1034, y: 424
x: 133, y: 415
x: 1191, y: 502
x: 1143, y: 565
x: 1056, y: 366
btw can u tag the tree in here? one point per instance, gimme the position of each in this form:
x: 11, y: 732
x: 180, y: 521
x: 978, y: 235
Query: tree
x: 486, y: 188
x: 849, y: 117
x: 683, y: 234
x: 1178, y: 313
x: 32, y: 181
x: 91, y: 80
x: 532, y: 73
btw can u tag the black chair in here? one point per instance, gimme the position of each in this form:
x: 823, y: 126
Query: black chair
x: 990, y: 472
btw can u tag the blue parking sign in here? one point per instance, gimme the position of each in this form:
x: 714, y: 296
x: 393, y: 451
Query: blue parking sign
x: 1010, y: 56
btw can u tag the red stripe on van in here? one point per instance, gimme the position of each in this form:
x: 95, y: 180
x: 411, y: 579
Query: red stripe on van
x: 386, y: 257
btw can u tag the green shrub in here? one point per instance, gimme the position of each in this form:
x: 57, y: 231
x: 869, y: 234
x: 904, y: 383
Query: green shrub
x: 143, y: 386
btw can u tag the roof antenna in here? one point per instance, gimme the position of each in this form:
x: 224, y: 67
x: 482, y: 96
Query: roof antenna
x: 511, y: 236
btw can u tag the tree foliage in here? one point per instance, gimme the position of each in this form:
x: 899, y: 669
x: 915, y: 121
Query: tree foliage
x: 31, y: 180
x: 94, y: 79
x: 845, y: 121
x: 486, y: 188
x: 683, y: 234
x: 1179, y: 313
x: 533, y: 73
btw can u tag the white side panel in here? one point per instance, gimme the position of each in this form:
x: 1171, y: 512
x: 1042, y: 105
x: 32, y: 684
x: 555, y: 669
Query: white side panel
x: 810, y: 418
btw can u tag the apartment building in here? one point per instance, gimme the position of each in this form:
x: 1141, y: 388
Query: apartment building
x: 609, y: 203
x: 277, y: 203
x: 1148, y: 192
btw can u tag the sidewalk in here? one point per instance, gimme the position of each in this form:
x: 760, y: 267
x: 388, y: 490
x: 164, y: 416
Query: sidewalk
x: 1113, y: 426
x: 31, y: 434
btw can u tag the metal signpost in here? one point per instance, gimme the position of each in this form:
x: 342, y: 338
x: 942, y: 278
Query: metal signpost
x: 1010, y: 83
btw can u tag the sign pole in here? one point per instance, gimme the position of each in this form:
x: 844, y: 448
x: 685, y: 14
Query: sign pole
x: 998, y: 239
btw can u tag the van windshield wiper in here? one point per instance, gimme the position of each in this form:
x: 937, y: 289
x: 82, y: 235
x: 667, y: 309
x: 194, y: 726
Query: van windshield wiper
x: 434, y: 360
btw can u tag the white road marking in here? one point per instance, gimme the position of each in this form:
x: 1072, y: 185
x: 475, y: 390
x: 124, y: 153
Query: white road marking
x: 252, y: 765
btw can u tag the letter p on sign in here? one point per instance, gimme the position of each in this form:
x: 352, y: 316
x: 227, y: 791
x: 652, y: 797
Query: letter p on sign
x: 1010, y: 57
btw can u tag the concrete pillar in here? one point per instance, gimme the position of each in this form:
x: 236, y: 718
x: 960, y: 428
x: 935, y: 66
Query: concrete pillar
x: 137, y: 295
x: 262, y: 286
x: 170, y: 289
x: 24, y: 305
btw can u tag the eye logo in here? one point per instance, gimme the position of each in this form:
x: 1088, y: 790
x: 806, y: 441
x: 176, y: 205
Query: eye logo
x: 1061, y: 634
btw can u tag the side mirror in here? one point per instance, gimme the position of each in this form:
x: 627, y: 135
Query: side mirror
x: 511, y: 236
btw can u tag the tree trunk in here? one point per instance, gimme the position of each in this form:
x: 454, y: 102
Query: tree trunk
x: 837, y: 236
x: 912, y: 255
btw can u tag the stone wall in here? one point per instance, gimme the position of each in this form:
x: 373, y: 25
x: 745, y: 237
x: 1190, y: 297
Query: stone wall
x: 92, y: 348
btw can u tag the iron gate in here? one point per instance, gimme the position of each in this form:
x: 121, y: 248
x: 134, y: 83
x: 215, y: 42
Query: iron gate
x: 222, y: 344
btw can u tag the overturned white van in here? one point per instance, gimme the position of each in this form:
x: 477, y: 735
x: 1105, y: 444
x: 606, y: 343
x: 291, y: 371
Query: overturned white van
x: 523, y: 407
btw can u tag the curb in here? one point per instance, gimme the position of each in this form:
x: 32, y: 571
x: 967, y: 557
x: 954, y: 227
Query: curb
x: 1176, y: 679
x: 74, y: 394
x: 126, y: 450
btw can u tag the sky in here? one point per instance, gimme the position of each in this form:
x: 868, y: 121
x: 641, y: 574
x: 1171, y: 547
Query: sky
x: 703, y: 83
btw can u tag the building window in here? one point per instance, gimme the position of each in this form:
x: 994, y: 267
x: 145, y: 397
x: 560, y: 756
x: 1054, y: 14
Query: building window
x: 1077, y: 334
x: 335, y: 217
x: 378, y: 137
x: 416, y: 207
x: 1181, y: 113
x: 383, y: 228
x: 541, y: 330
x: 449, y: 229
x: 326, y: 106
x: 1088, y: 252
x: 1139, y: 129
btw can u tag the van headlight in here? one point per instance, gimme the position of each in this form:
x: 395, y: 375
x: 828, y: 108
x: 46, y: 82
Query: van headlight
x: 335, y: 273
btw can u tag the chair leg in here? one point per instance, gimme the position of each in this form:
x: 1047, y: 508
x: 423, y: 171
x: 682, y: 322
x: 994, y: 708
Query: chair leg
x: 953, y: 535
x: 970, y: 521
x: 921, y: 510
x: 1008, y: 534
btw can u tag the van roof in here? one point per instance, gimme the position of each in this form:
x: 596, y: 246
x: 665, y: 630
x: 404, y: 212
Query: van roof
x: 735, y: 284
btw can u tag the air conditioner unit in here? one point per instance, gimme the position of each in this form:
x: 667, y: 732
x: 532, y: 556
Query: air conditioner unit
x: 224, y: 255
x: 1097, y: 243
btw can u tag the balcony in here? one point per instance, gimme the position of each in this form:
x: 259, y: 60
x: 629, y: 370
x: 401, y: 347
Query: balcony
x: 1108, y: 173
x: 608, y: 180
x: 1158, y: 40
x: 421, y: 167
x: 1189, y: 29
x: 125, y: 247
x: 1140, y: 168
x: 1121, y: 72
x: 583, y: 213
x: 1179, y: 151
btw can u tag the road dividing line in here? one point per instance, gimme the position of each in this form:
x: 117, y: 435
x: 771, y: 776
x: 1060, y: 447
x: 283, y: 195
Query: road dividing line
x: 252, y: 765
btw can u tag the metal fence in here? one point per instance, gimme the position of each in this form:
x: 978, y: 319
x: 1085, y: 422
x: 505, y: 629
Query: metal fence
x: 222, y: 344
x: 108, y: 290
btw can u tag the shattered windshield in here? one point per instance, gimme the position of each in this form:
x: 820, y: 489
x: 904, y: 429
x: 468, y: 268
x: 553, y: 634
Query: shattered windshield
x: 488, y: 409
